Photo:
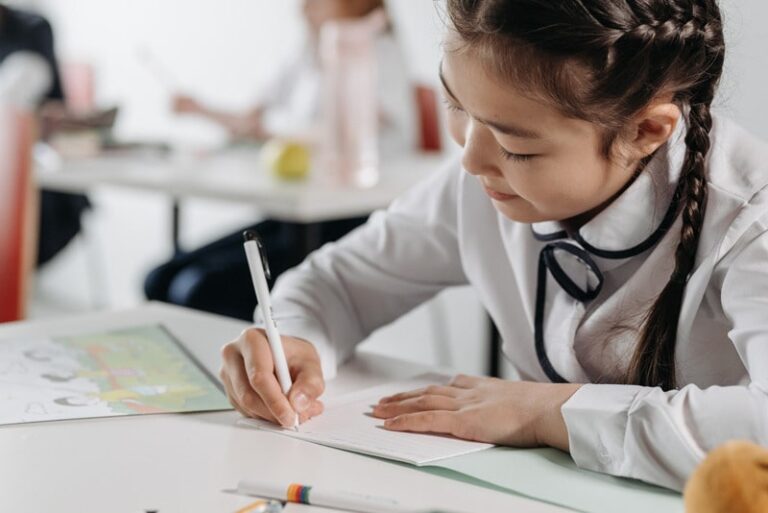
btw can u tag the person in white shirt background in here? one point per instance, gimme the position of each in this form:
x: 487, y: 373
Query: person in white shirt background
x: 214, y: 277
x: 291, y: 104
x: 615, y: 230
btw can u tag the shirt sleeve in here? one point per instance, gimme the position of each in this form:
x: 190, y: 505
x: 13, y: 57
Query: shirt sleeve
x: 660, y: 437
x: 400, y: 258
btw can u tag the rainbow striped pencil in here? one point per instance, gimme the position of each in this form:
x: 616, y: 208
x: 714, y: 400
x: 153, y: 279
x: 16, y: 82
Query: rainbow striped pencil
x: 339, y: 499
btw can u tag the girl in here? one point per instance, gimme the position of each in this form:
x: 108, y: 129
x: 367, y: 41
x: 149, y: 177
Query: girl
x: 616, y: 233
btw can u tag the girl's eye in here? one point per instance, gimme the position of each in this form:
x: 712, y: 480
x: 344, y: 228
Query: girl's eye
x: 452, y: 107
x: 516, y: 157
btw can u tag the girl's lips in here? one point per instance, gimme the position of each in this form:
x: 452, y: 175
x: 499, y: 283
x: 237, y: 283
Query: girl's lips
x: 499, y: 196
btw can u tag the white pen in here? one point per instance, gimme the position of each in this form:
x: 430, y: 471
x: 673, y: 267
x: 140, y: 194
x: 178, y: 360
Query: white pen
x: 257, y: 262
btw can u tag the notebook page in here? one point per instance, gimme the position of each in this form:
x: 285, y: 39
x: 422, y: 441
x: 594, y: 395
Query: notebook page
x: 347, y: 424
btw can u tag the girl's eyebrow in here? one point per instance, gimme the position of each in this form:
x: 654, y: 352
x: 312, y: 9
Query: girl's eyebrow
x: 506, y: 129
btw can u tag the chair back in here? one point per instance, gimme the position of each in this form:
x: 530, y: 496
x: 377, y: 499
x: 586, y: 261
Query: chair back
x: 429, y: 120
x: 18, y: 217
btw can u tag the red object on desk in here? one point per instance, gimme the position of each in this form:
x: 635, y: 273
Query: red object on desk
x: 17, y: 215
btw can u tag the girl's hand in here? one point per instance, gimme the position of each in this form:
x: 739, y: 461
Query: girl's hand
x: 521, y: 414
x: 182, y: 104
x: 248, y: 374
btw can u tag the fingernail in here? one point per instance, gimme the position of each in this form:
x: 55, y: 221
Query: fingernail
x: 301, y: 402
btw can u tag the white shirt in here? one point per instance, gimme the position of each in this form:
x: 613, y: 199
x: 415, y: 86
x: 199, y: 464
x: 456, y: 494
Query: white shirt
x: 446, y: 232
x: 293, y: 98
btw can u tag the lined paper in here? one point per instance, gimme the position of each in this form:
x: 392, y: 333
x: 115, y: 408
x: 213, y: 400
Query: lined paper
x: 346, y: 424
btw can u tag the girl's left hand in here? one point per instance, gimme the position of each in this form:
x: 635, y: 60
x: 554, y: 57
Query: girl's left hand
x: 516, y: 413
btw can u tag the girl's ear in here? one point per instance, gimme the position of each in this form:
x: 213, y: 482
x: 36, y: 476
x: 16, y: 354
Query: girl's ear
x: 652, y: 127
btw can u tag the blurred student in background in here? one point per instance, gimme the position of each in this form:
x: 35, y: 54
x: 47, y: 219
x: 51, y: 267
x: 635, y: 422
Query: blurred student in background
x: 26, y: 40
x: 290, y: 105
x: 215, y: 277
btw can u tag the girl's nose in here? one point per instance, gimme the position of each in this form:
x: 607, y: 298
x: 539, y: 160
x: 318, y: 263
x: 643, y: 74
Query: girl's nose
x: 479, y: 156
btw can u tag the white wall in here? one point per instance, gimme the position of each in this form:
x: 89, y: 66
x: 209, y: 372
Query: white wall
x: 744, y: 86
x: 220, y: 51
x: 224, y: 50
x: 743, y: 90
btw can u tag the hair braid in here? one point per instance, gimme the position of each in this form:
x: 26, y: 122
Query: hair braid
x: 653, y: 363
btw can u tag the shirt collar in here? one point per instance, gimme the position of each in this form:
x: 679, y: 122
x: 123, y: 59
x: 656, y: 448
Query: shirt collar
x: 634, y: 219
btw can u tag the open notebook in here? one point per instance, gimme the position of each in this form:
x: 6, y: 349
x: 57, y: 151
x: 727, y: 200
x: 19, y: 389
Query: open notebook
x: 347, y: 424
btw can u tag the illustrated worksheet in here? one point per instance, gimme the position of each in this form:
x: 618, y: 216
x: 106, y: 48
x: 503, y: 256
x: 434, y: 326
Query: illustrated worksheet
x: 127, y: 372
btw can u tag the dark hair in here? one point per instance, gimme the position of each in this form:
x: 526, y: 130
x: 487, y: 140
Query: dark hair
x: 604, y: 61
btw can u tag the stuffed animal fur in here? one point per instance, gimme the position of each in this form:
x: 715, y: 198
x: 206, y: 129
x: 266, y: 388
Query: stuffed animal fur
x: 732, y: 479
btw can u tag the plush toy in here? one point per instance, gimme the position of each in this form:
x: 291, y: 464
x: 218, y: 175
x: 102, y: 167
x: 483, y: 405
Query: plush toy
x: 733, y: 479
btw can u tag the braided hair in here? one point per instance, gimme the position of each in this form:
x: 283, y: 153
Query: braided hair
x: 604, y: 61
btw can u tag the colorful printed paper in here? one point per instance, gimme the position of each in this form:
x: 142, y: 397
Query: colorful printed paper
x: 128, y: 372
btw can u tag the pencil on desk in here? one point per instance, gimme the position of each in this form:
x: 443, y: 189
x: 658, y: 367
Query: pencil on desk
x: 338, y: 499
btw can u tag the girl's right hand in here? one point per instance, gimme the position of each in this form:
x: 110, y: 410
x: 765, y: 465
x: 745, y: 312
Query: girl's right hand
x: 248, y: 374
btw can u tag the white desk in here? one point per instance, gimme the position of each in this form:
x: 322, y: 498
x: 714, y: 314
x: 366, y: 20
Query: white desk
x: 238, y: 175
x: 181, y: 463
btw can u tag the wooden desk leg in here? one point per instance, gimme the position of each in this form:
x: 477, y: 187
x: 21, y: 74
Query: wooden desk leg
x: 494, y: 350
x: 175, y: 226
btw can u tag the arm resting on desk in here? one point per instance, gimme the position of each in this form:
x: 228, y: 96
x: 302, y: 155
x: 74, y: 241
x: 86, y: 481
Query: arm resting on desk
x: 659, y: 436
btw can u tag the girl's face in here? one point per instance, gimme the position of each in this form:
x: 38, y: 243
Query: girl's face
x: 534, y: 163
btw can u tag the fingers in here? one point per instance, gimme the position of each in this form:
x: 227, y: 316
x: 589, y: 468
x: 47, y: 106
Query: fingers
x: 183, y: 103
x: 441, y: 422
x: 430, y: 390
x: 260, y: 371
x: 248, y: 375
x: 315, y: 409
x: 415, y: 405
x: 246, y: 400
x: 464, y: 381
x: 308, y: 384
x: 231, y: 395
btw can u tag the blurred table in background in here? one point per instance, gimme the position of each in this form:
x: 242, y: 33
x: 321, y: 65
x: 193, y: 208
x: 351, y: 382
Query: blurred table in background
x: 237, y: 175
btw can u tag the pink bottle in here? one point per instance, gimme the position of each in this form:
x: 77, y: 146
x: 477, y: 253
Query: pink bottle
x: 349, y: 140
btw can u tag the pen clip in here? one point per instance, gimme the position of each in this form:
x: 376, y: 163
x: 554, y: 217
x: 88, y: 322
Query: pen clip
x: 250, y: 235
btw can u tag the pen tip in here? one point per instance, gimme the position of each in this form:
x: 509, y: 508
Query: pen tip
x: 249, y: 235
